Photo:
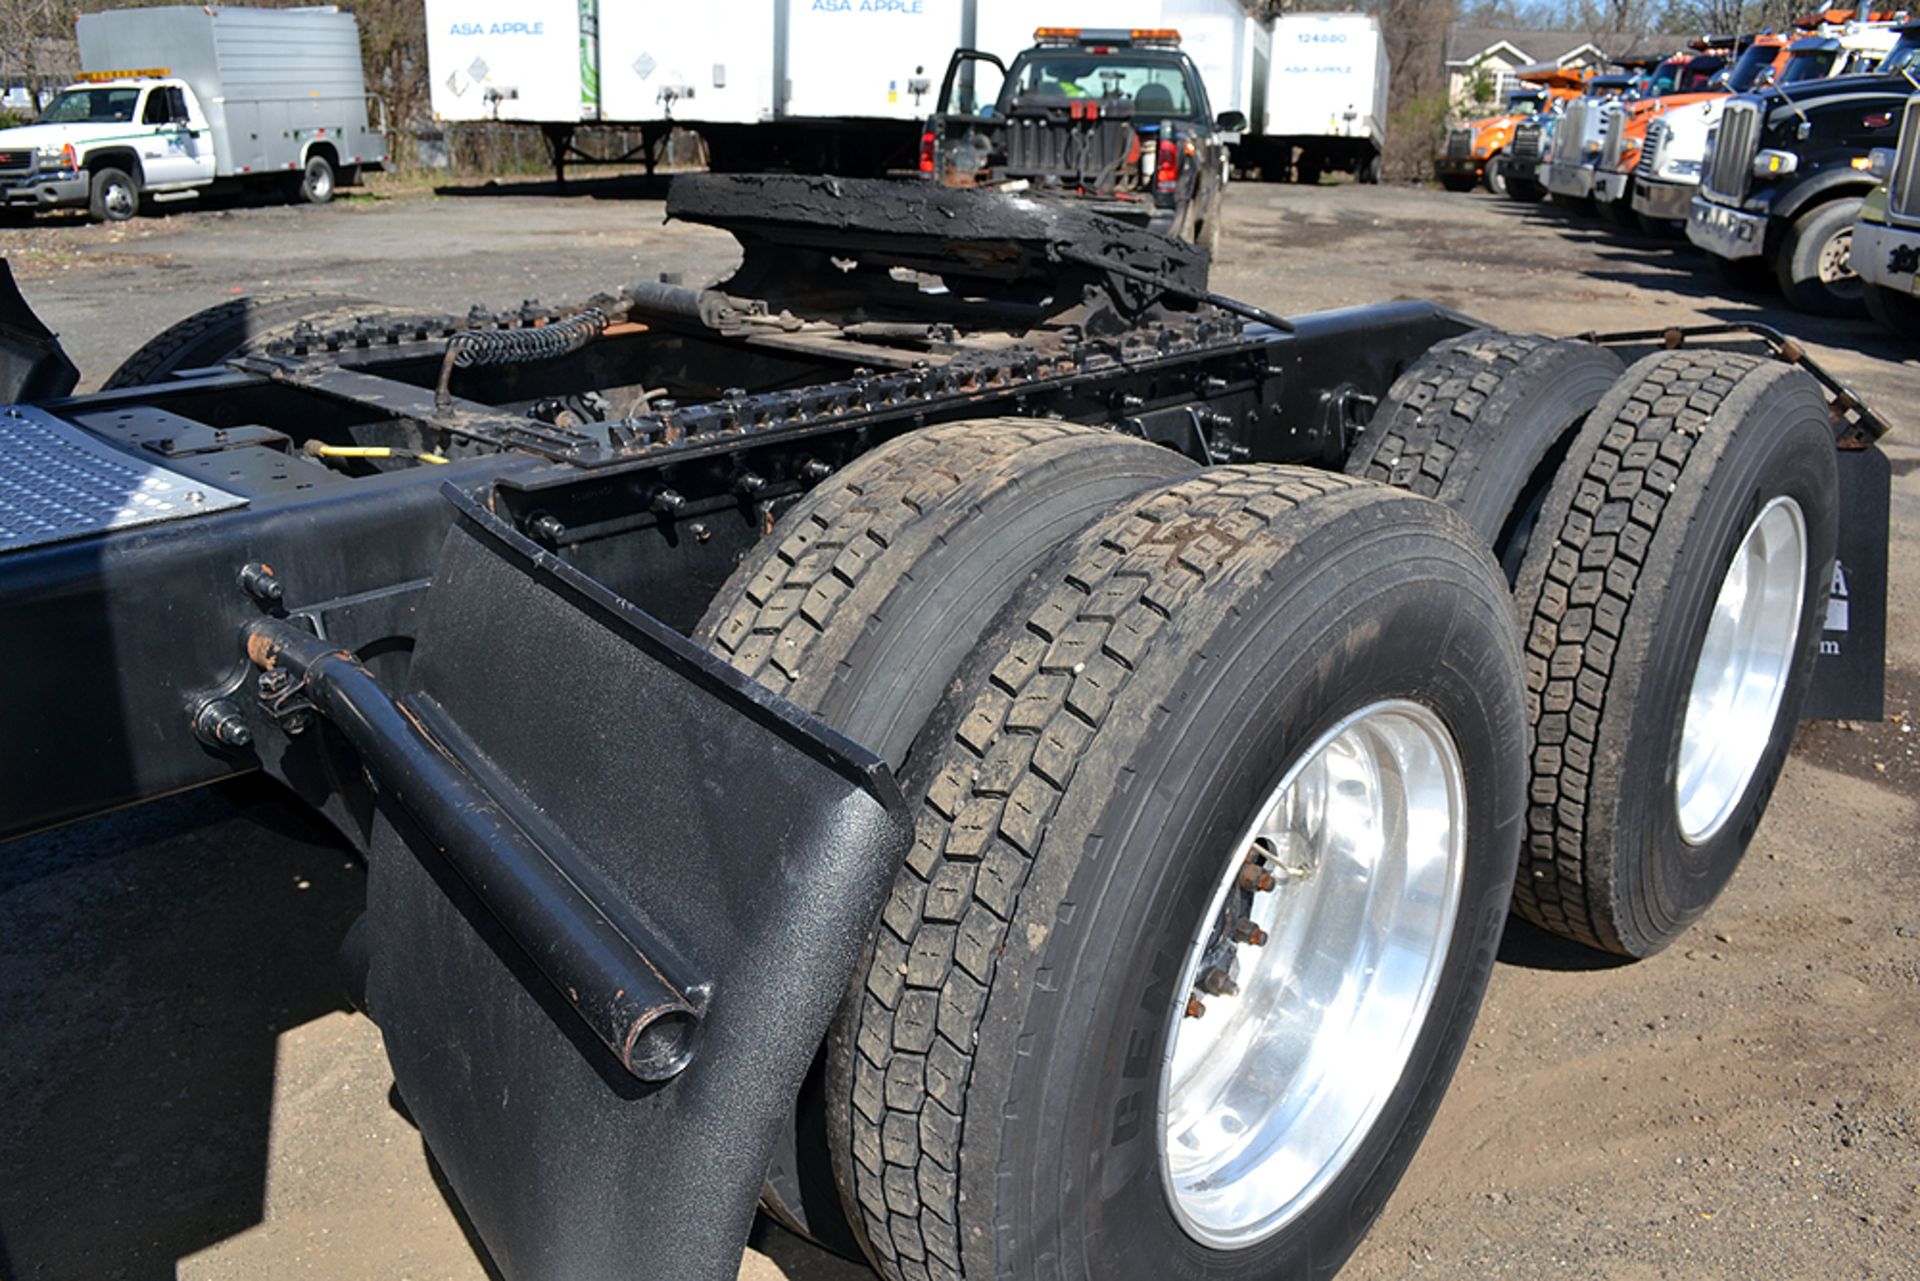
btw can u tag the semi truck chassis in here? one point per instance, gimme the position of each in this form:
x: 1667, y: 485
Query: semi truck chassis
x: 540, y: 608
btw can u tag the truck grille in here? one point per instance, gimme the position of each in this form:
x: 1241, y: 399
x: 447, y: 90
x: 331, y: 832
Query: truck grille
x: 1903, y: 189
x: 1651, y: 151
x: 1733, y: 150
x: 16, y: 160
x: 1460, y: 144
x: 1526, y: 143
x: 1616, y: 139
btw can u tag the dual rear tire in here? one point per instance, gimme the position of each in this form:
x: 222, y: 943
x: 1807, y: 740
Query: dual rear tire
x: 1181, y: 728
x: 1671, y: 534
x: 1101, y: 675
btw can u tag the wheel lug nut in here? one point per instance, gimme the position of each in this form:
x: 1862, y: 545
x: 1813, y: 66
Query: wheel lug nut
x: 1217, y: 982
x: 1195, y: 1007
x: 1255, y: 879
x: 1248, y: 932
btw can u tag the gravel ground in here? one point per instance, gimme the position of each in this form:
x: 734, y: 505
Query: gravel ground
x: 184, y: 1095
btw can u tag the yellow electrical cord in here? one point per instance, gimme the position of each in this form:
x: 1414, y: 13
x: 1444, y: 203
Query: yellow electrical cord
x: 318, y: 450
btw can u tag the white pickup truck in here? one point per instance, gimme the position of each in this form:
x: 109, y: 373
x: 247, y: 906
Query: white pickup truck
x: 223, y: 97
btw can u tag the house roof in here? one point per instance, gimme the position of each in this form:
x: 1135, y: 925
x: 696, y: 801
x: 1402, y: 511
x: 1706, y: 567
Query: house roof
x: 1465, y: 44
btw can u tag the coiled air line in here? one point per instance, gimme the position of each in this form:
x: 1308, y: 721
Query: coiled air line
x: 472, y: 347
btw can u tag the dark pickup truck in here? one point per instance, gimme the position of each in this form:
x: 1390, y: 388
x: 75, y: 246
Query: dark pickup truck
x: 1116, y: 119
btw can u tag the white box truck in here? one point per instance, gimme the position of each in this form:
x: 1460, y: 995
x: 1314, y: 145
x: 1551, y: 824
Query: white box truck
x: 178, y: 101
x: 838, y: 85
x: 1325, y: 101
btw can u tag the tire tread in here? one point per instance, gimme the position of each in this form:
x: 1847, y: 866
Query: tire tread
x: 1007, y: 766
x: 1574, y: 607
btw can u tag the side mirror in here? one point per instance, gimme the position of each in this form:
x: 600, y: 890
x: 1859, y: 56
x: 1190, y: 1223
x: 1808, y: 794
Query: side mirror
x: 1232, y: 122
x: 1880, y: 162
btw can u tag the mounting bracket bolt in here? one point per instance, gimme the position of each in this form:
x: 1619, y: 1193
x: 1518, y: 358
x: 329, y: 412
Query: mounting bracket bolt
x: 217, y: 723
x: 257, y: 581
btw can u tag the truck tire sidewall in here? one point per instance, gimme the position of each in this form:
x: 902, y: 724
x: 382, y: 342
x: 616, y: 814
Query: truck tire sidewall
x: 1518, y: 424
x: 1663, y: 228
x: 319, y: 182
x: 1458, y: 184
x: 947, y: 591
x: 891, y: 678
x: 114, y: 195
x: 1894, y: 311
x: 1085, y: 1153
x: 1495, y: 176
x: 1641, y: 884
x: 1676, y: 882
x: 1813, y: 238
x: 1748, y: 275
x: 225, y: 330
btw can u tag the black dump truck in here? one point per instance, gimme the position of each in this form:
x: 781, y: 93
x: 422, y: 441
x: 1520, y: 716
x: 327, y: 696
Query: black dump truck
x: 1116, y: 120
x: 957, y: 734
x: 1787, y: 172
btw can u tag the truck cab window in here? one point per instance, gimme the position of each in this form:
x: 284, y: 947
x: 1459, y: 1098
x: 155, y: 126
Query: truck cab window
x: 92, y: 107
x: 1904, y: 56
x: 1157, y: 86
x: 156, y: 112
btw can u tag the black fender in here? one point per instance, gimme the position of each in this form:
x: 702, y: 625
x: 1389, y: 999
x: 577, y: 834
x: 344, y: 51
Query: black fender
x: 33, y: 366
x: 1820, y: 187
x: 615, y: 893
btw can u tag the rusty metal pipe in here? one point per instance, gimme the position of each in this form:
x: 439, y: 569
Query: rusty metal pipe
x: 604, y: 969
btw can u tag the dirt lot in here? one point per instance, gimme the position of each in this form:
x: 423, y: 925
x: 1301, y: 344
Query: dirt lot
x: 185, y: 1096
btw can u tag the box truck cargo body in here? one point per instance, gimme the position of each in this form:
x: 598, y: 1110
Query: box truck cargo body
x: 1326, y: 98
x: 266, y: 79
x: 841, y: 85
x: 174, y: 102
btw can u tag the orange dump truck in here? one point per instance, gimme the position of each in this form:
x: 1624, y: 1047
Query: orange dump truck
x: 1474, y: 149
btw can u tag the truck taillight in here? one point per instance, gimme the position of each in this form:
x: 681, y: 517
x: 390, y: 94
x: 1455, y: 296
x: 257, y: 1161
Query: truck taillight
x: 928, y: 144
x: 1166, y: 174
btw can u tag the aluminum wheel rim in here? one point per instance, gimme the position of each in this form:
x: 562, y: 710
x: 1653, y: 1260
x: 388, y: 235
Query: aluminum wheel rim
x: 1741, y: 678
x: 320, y: 181
x: 1267, y: 1092
x: 119, y: 199
x: 1836, y: 265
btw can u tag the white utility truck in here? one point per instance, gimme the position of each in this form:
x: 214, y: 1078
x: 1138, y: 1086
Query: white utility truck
x: 177, y: 101
x: 1324, y: 99
x: 842, y: 86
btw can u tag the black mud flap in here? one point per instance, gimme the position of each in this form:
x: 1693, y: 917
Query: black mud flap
x: 616, y: 892
x: 1850, y: 676
x: 33, y: 366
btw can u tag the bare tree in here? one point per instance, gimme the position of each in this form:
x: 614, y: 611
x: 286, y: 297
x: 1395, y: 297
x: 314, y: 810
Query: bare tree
x: 1417, y: 103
